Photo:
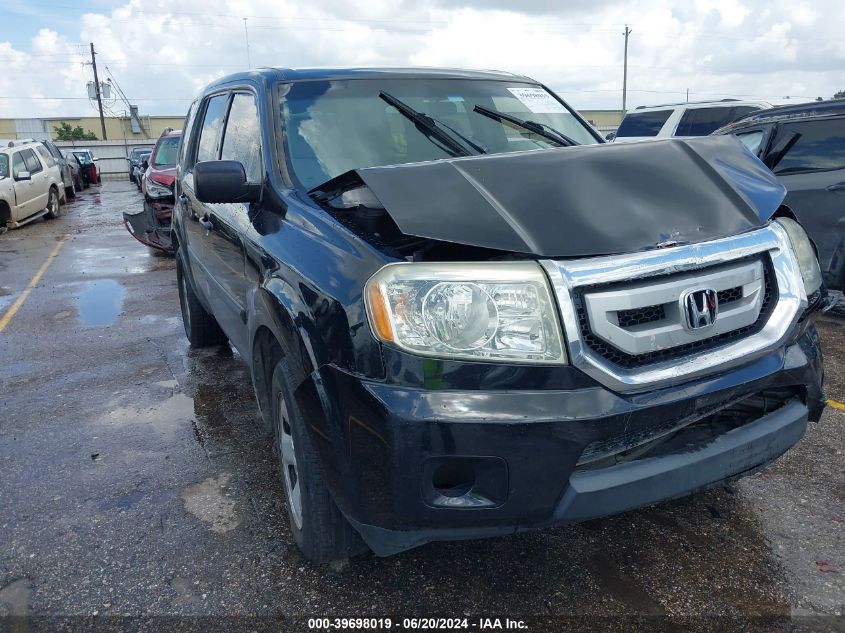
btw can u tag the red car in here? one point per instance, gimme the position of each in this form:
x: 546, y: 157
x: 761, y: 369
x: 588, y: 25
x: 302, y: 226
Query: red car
x: 150, y: 225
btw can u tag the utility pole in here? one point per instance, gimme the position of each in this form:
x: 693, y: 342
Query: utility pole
x: 99, y: 92
x: 625, y: 74
x: 246, y: 34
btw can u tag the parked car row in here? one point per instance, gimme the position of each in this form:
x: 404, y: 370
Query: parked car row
x: 32, y: 183
x: 466, y: 315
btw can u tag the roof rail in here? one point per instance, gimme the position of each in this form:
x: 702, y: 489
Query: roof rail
x: 166, y: 130
x: 666, y: 105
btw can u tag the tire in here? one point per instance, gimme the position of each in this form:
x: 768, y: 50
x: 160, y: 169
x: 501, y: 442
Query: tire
x: 53, y: 207
x: 201, y: 327
x: 70, y: 193
x: 76, y: 185
x: 319, y: 528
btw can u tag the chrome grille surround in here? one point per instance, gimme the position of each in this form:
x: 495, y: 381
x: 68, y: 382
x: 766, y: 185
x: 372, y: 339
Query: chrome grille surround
x: 571, y: 276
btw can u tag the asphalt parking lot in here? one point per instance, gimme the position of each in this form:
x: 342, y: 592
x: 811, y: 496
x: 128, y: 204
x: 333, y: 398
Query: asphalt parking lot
x: 134, y: 482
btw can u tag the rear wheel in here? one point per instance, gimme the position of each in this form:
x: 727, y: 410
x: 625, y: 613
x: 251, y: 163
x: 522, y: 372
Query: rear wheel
x: 201, y: 327
x: 53, y: 206
x: 317, y: 525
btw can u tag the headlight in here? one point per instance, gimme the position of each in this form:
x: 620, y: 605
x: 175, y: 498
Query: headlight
x: 481, y: 311
x: 804, y: 253
x: 156, y: 190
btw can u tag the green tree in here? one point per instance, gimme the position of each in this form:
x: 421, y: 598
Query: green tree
x: 64, y: 132
x: 839, y: 95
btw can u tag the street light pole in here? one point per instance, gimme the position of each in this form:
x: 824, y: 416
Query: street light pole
x: 625, y: 74
x: 99, y: 94
x: 246, y: 35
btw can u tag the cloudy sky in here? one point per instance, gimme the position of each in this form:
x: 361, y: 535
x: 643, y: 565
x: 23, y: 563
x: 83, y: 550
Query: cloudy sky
x: 161, y: 53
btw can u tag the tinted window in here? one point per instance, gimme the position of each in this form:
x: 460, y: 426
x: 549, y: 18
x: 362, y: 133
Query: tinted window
x: 703, y: 121
x: 18, y: 164
x: 212, y: 126
x: 643, y: 123
x: 32, y: 162
x: 4, y: 166
x: 45, y: 154
x: 821, y: 145
x: 241, y: 141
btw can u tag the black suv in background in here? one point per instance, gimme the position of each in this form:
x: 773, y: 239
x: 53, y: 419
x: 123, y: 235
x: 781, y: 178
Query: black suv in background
x: 465, y: 315
x: 805, y: 148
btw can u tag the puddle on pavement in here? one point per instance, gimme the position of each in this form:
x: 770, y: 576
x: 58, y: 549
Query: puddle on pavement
x: 101, y: 302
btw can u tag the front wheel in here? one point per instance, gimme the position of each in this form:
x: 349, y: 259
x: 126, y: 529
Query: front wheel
x: 319, y: 528
x: 201, y: 327
x: 70, y: 193
x: 53, y: 206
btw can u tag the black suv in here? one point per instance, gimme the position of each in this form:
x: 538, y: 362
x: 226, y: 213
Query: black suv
x: 804, y: 146
x: 466, y: 316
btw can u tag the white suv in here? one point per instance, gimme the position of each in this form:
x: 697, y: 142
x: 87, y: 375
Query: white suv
x: 30, y: 184
x: 683, y: 120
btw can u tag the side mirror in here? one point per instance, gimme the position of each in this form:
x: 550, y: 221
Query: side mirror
x: 224, y: 181
x: 610, y: 136
x: 144, y: 164
x: 23, y: 175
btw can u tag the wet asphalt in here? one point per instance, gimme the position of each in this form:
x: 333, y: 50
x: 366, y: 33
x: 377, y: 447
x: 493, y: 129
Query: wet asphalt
x: 134, y: 482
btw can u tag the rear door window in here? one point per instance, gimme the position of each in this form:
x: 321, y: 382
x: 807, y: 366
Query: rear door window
x: 242, y: 141
x: 643, y: 123
x: 212, y: 126
x: 46, y: 155
x: 703, y: 121
x: 33, y: 165
x: 819, y: 146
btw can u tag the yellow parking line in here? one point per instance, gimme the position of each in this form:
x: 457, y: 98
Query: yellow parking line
x: 4, y: 321
x: 836, y: 405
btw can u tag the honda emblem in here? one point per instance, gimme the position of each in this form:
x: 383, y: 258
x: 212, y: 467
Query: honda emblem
x: 700, y: 308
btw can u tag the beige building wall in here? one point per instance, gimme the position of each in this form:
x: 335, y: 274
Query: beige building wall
x: 120, y: 127
x: 603, y: 118
x: 117, y: 128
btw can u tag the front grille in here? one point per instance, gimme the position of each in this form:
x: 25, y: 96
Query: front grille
x: 645, y: 315
x: 638, y: 316
x: 730, y: 295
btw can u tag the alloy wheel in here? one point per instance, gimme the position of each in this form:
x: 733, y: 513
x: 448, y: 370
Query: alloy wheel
x: 290, y: 471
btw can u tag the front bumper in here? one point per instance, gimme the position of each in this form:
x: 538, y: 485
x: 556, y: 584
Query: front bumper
x: 151, y: 225
x: 412, y: 465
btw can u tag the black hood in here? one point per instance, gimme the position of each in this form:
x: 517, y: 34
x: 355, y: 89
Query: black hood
x: 581, y: 201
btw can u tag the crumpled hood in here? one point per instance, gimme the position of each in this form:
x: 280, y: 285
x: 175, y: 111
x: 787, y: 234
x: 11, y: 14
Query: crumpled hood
x: 163, y: 175
x: 585, y: 200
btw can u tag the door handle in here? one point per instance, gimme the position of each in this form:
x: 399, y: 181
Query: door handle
x: 839, y: 187
x: 206, y: 223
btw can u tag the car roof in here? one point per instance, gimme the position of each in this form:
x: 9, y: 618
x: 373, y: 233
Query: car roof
x: 722, y: 103
x: 310, y: 74
x: 812, y: 110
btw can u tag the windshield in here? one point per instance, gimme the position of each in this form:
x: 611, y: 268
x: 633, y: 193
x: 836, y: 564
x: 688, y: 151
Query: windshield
x: 166, y: 154
x: 332, y: 127
x: 4, y: 166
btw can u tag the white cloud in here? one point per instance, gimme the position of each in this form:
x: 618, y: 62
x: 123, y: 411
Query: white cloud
x: 163, y: 53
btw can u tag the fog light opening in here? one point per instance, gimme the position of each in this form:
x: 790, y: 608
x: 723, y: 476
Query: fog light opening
x: 453, y: 479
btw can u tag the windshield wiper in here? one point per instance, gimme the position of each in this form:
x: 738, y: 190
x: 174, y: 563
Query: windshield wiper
x: 426, y: 125
x: 546, y: 131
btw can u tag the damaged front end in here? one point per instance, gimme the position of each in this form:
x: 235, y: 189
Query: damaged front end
x: 151, y: 225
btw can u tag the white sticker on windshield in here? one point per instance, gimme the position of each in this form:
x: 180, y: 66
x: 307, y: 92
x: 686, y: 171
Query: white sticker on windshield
x: 538, y: 100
